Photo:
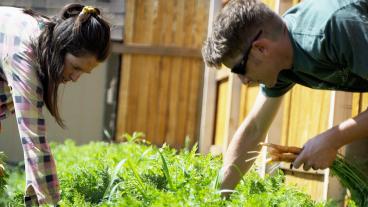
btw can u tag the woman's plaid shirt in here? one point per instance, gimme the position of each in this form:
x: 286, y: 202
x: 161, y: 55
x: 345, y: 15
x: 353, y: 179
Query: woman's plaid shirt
x: 21, y: 92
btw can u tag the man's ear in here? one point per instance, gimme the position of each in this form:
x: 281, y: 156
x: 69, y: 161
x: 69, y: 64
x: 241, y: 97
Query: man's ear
x: 262, y: 45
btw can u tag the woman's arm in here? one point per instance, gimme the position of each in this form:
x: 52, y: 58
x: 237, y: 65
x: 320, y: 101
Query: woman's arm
x: 42, y: 185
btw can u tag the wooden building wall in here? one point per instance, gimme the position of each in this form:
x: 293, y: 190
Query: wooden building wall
x: 160, y: 90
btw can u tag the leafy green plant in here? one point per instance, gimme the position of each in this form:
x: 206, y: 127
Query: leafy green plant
x: 353, y: 179
x: 141, y: 186
x: 130, y: 174
x: 3, y: 173
x: 90, y: 182
x: 14, y: 189
x: 134, y: 138
x: 165, y: 169
x: 108, y: 192
x: 348, y: 173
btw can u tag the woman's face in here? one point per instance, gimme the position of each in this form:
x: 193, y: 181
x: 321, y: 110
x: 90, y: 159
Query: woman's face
x: 74, y: 66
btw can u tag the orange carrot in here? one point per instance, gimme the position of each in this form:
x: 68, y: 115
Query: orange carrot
x: 284, y: 157
x: 288, y: 157
x: 283, y: 149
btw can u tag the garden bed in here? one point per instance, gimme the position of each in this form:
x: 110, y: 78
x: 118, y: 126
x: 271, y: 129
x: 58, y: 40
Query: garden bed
x: 131, y: 174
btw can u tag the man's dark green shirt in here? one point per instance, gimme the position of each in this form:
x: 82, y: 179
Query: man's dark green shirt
x: 330, y: 43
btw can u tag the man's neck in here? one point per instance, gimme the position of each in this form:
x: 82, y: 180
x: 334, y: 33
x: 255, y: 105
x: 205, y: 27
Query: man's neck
x: 286, y: 50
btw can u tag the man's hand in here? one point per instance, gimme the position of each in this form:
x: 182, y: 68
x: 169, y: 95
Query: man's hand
x: 321, y: 151
x: 317, y: 153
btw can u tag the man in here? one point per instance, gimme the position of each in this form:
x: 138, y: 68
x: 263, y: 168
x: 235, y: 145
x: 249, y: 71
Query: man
x: 321, y: 44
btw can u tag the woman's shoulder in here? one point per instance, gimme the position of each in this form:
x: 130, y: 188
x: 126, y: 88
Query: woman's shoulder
x: 9, y: 9
x: 13, y: 14
x: 15, y: 21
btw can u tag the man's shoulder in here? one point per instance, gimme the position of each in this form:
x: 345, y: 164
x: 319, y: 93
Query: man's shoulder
x: 311, y: 16
x: 327, y: 6
x: 356, y: 10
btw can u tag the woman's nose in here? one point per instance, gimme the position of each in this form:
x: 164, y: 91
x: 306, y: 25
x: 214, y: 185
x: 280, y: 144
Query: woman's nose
x: 75, y: 76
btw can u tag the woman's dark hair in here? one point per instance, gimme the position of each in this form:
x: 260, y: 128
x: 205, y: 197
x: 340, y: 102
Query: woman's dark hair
x: 78, y: 30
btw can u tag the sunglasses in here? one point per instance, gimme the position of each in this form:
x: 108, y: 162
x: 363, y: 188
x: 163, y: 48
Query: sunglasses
x: 240, y: 67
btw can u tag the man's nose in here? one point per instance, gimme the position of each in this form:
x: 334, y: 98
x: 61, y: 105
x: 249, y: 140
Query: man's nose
x: 244, y: 79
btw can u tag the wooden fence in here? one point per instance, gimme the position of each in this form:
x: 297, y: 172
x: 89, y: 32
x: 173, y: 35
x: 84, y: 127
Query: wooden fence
x: 162, y: 69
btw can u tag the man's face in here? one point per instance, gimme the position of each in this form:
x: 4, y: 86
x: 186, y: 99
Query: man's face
x: 260, y: 66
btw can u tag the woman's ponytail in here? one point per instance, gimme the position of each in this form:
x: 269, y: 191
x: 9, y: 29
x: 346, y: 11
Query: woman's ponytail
x: 70, y: 10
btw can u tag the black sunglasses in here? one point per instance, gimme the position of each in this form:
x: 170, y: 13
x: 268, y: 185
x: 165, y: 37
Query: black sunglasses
x: 240, y: 67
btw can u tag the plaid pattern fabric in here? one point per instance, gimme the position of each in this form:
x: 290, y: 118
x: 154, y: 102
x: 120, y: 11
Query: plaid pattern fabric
x: 30, y: 200
x: 21, y: 92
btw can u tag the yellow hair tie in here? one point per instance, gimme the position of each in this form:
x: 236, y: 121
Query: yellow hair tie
x: 89, y: 10
x: 223, y: 66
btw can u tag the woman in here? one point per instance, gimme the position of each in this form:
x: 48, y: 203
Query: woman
x: 37, y: 55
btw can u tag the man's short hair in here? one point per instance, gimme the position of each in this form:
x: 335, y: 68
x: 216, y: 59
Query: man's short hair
x: 234, y: 28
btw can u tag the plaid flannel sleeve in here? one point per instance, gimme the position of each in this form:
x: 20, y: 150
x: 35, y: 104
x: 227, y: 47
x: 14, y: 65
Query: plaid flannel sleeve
x: 42, y: 186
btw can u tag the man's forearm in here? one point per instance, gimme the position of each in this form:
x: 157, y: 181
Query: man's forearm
x: 246, y: 138
x: 349, y: 131
x: 235, y: 161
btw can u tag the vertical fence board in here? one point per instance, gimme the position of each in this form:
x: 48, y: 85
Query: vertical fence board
x: 360, y: 103
x: 164, y: 98
x: 248, y: 97
x: 154, y: 114
x: 159, y: 95
x: 196, y: 68
x: 125, y: 74
x: 186, y: 22
x: 152, y: 104
x: 164, y: 74
x: 199, y: 19
x: 222, y: 91
x: 183, y: 92
x: 306, y: 114
x: 171, y: 17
